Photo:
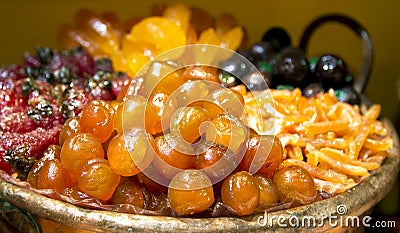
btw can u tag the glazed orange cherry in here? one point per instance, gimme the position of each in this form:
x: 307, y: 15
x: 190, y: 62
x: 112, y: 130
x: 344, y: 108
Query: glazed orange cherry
x: 120, y: 158
x: 70, y: 127
x: 77, y: 150
x: 97, y: 179
x: 228, y: 130
x: 51, y: 176
x: 296, y: 184
x: 170, y: 156
x: 137, y: 113
x: 255, y: 158
x: 190, y: 191
x: 217, y: 161
x: 128, y: 192
x: 47, y: 172
x: 97, y: 118
x: 186, y: 122
x: 159, y: 108
x: 162, y: 76
x: 269, y: 194
x: 229, y: 100
x: 240, y: 193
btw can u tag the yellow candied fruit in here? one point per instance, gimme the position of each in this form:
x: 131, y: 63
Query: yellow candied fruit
x: 159, y: 31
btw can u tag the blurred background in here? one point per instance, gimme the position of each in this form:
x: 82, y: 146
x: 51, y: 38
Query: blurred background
x: 25, y: 24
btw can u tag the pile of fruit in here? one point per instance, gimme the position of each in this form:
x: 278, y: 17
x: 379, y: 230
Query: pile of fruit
x: 185, y: 140
x: 132, y: 44
x: 38, y: 96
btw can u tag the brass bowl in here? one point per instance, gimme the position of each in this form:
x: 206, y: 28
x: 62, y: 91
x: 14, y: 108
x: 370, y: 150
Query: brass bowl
x: 356, y: 202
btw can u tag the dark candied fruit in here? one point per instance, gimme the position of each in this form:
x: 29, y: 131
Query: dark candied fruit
x: 331, y: 70
x: 348, y: 95
x: 104, y: 64
x: 312, y: 90
x: 44, y: 54
x: 63, y: 75
x: 228, y: 80
x: 293, y: 68
x: 236, y: 66
x: 257, y: 80
x: 262, y: 50
x: 99, y: 86
x: 19, y: 160
x: 278, y: 38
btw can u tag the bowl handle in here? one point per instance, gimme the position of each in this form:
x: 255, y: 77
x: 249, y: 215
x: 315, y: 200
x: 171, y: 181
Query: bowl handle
x: 361, y: 82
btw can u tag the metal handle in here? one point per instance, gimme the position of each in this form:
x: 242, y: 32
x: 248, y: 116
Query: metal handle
x: 361, y: 82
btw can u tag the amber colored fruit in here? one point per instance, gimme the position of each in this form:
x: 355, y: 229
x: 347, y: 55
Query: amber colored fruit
x: 99, y: 29
x: 77, y: 150
x: 119, y: 158
x: 159, y: 31
x: 216, y: 160
x: 228, y: 130
x: 70, y: 127
x: 51, y: 176
x: 136, y: 113
x: 191, y: 91
x: 159, y: 109
x: 255, y: 158
x: 229, y: 100
x: 212, y: 109
x: 51, y: 153
x: 128, y: 192
x: 190, y: 192
x: 150, y: 184
x: 206, y: 73
x: 97, y: 118
x: 296, y: 184
x: 163, y: 76
x: 269, y: 193
x: 97, y: 179
x: 70, y: 37
x: 170, y: 156
x: 186, y: 122
x: 233, y: 38
x: 240, y: 193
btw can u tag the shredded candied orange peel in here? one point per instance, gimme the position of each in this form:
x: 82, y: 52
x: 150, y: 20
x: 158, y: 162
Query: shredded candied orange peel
x: 338, y: 143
